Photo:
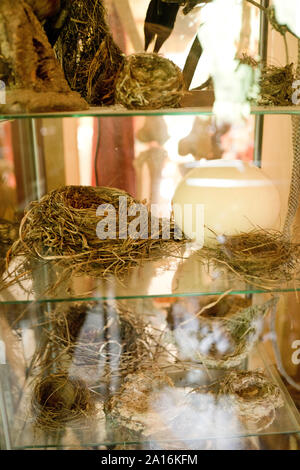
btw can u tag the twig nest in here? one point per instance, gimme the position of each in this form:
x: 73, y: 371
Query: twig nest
x: 220, y: 332
x: 149, y: 81
x: 62, y: 228
x: 59, y: 399
x: 254, y: 397
x: 100, y: 334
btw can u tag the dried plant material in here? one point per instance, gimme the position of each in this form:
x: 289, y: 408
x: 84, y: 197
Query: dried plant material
x: 62, y: 228
x: 104, y: 335
x: 254, y: 397
x: 33, y: 78
x: 131, y: 413
x: 222, y: 332
x: 149, y: 81
x: 260, y: 257
x: 8, y: 235
x: 276, y: 85
x: 88, y: 53
x: 58, y: 400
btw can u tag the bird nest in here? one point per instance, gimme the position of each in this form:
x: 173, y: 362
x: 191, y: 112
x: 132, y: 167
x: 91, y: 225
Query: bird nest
x: 262, y: 258
x: 225, y: 331
x: 149, y: 81
x: 97, y: 342
x: 254, y: 397
x: 62, y: 228
x: 276, y: 85
x: 59, y: 399
x: 89, y: 55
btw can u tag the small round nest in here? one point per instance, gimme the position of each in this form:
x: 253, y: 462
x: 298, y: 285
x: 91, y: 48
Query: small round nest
x: 276, y: 85
x: 223, y: 332
x: 63, y: 228
x: 254, y: 397
x: 59, y: 399
x: 149, y: 81
x: 263, y: 258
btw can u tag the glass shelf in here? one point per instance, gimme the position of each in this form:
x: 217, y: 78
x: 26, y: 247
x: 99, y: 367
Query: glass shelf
x: 117, y: 111
x: 172, y: 277
x: 93, y: 433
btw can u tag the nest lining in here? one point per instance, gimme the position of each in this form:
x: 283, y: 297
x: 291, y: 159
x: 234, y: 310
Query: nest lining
x: 263, y: 258
x: 59, y: 399
x: 61, y: 229
x: 149, y: 81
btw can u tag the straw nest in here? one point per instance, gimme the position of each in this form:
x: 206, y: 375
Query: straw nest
x: 61, y: 228
x: 98, y: 342
x: 223, y: 332
x: 59, y: 399
x: 100, y: 334
x: 254, y: 397
x: 262, y: 258
x: 149, y: 81
x: 276, y: 85
x: 90, y: 58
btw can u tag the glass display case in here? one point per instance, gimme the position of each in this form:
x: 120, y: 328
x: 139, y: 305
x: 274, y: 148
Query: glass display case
x: 147, y: 341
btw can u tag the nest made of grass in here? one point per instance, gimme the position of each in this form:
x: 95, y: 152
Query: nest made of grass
x: 250, y: 397
x: 59, y: 399
x: 90, y: 57
x: 227, y: 329
x: 260, y: 257
x: 254, y: 396
x: 93, y: 333
x: 149, y: 81
x: 98, y: 342
x: 276, y: 85
x: 61, y: 229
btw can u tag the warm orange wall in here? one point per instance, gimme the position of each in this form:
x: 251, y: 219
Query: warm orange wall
x: 277, y: 163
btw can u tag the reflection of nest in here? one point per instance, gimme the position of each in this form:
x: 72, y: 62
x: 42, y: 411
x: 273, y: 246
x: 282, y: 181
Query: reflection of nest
x: 259, y: 257
x: 254, y: 397
x: 223, y: 334
x: 59, y: 399
x: 62, y: 228
x: 149, y: 81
